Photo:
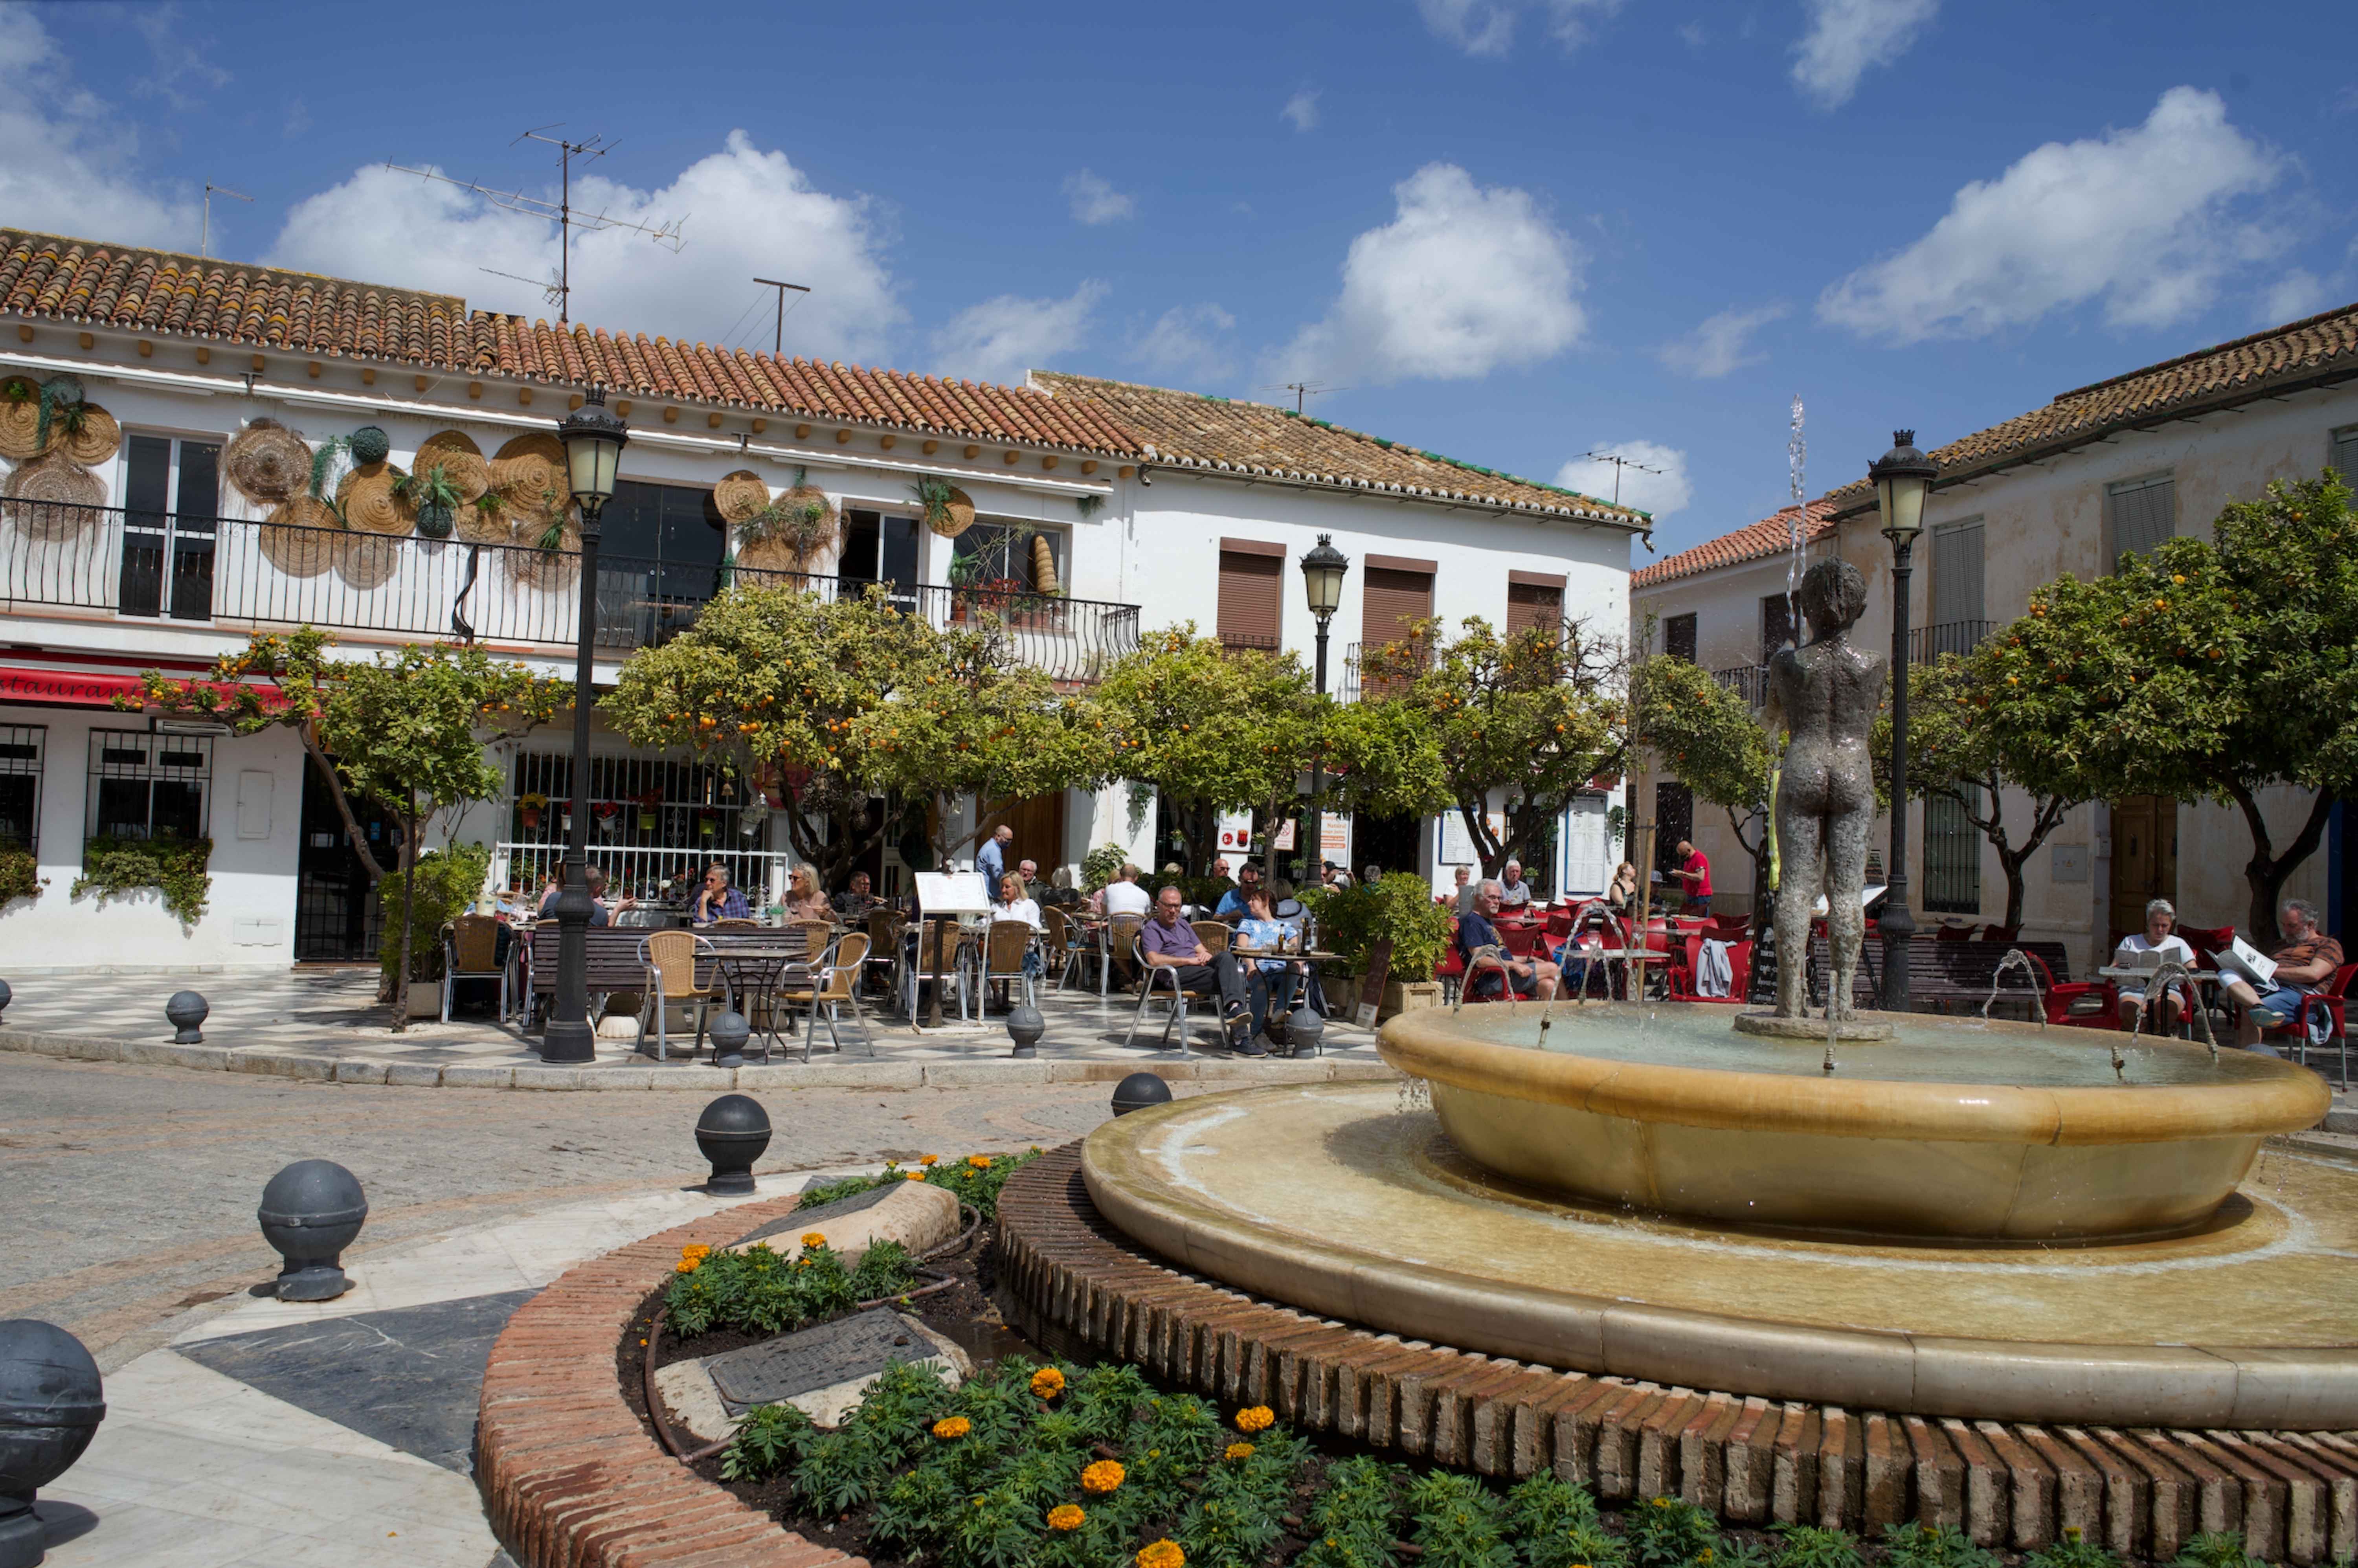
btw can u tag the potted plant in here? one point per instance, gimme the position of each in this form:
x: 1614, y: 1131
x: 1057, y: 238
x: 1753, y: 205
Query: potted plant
x: 797, y: 523
x: 532, y: 803
x: 435, y: 498
x: 1400, y: 908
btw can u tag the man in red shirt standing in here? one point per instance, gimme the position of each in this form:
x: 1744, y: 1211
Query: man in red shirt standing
x: 1694, y: 872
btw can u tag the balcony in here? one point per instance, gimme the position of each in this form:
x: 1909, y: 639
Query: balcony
x: 1749, y: 682
x: 1926, y: 644
x: 234, y: 575
x: 1356, y: 688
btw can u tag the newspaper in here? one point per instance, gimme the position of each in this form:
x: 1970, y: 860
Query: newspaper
x: 2245, y: 962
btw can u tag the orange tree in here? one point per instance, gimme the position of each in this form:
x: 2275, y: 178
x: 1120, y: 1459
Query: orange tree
x: 2206, y: 669
x: 776, y: 682
x: 1705, y: 734
x: 405, y: 731
x: 1522, y: 723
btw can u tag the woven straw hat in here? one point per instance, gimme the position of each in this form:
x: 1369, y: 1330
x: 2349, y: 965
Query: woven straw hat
x: 740, y: 495
x: 367, y: 498
x: 20, y: 419
x: 781, y: 552
x: 549, y: 570
x: 368, y: 560
x: 68, y: 488
x: 961, y: 515
x: 266, y: 462
x: 303, y: 537
x: 473, y: 525
x: 530, y: 473
x: 98, y: 438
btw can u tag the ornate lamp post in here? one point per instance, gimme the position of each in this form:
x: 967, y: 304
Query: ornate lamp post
x: 593, y: 450
x: 1903, y: 478
x: 1323, y: 569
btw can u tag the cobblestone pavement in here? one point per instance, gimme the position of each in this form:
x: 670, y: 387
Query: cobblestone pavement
x: 131, y: 1191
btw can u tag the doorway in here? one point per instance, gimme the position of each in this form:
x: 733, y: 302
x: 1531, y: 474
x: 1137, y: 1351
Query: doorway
x: 2145, y: 860
x: 1395, y: 843
x: 336, y: 913
x: 1039, y: 824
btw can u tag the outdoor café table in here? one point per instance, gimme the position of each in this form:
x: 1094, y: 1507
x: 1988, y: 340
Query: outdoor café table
x: 1622, y: 956
x: 2206, y: 983
x: 760, y: 963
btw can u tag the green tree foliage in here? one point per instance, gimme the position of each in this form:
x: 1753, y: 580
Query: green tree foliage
x: 1705, y: 734
x: 2207, y: 669
x: 1522, y: 723
x: 776, y: 682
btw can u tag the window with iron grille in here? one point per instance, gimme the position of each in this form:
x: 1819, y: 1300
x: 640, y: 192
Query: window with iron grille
x: 2138, y: 514
x: 21, y: 751
x: 148, y: 787
x: 1679, y: 637
x: 1953, y: 859
x: 635, y: 803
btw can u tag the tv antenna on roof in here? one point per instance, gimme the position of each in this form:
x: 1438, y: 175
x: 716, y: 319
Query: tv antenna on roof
x: 549, y: 287
x: 561, y: 210
x: 1304, y: 390
x: 205, y: 235
x: 778, y: 348
x: 1618, y: 462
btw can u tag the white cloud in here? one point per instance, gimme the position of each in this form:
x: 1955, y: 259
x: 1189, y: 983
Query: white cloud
x: 1096, y: 201
x: 71, y: 164
x: 182, y: 75
x: 1462, y: 281
x: 1301, y: 111
x: 1486, y: 27
x: 2145, y: 218
x: 1722, y: 343
x: 1662, y: 490
x: 1188, y: 341
x: 1001, y: 338
x: 1694, y: 33
x: 2297, y: 294
x: 747, y: 213
x: 1846, y: 37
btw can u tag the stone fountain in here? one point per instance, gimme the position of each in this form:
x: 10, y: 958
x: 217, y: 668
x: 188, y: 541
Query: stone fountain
x: 1965, y: 1218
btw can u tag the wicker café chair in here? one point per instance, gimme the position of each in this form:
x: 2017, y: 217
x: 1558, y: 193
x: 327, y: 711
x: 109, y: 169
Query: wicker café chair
x: 470, y: 951
x: 816, y: 934
x: 1122, y: 945
x: 1003, y: 949
x: 671, y: 959
x: 1215, y: 935
x: 835, y: 983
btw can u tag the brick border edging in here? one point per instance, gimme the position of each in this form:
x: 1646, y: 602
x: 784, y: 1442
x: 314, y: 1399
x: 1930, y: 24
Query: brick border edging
x: 568, y: 1475
x: 1080, y: 1288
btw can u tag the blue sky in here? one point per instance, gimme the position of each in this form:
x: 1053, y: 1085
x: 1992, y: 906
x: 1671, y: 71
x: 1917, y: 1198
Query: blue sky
x: 1512, y: 233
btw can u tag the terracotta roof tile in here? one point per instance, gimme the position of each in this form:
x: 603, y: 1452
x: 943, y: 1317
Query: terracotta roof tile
x: 1188, y: 430
x: 2237, y: 372
x: 1750, y: 543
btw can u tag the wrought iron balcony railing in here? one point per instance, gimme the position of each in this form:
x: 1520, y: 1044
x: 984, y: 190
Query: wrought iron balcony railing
x: 1749, y: 682
x: 236, y: 574
x: 1926, y: 644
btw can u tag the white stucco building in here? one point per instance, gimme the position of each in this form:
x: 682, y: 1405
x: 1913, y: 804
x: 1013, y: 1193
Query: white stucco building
x: 1147, y: 507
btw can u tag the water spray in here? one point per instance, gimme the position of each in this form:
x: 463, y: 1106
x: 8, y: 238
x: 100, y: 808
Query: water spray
x: 2016, y: 958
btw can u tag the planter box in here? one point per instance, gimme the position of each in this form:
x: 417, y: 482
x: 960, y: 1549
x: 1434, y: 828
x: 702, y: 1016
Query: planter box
x: 425, y: 999
x: 1409, y: 996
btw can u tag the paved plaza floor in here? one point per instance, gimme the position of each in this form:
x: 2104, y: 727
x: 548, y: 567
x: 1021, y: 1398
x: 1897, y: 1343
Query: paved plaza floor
x: 325, y: 1022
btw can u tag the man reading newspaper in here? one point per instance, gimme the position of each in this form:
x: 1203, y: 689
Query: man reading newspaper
x: 2269, y: 989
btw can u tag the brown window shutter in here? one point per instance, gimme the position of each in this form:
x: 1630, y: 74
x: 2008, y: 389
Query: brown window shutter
x: 1253, y: 595
x: 1532, y: 604
x: 1395, y: 601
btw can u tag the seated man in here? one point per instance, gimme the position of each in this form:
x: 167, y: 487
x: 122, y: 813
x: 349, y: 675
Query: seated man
x: 718, y: 901
x: 1122, y: 895
x: 2157, y: 937
x: 1513, y: 892
x: 1233, y: 903
x: 1497, y: 973
x: 855, y: 900
x: 1170, y: 942
x: 601, y: 911
x: 2304, y: 964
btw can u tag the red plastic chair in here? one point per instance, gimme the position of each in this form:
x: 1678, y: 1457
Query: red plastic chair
x: 1740, y: 978
x: 2206, y: 941
x: 2330, y: 1002
x: 1944, y: 932
x: 2059, y: 997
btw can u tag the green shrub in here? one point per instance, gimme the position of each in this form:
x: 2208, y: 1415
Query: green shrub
x: 1943, y: 1546
x: 1354, y: 919
x: 176, y: 866
x: 1815, y: 1546
x: 448, y: 881
x: 885, y: 1269
x: 2216, y: 1549
x: 768, y: 1439
x: 20, y: 875
x: 757, y: 1289
x: 1671, y: 1532
x: 1101, y: 864
x: 2075, y: 1550
x: 1459, y: 1523
x: 1556, y: 1523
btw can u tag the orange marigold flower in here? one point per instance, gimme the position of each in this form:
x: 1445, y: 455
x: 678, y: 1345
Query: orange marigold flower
x: 813, y: 1237
x: 915, y: 1175
x: 1163, y: 1555
x: 1239, y: 1451
x: 1102, y: 1476
x: 1066, y: 1515
x: 1047, y: 1382
x: 952, y: 1426
x: 931, y: 1160
x: 978, y: 1162
x: 1255, y: 1418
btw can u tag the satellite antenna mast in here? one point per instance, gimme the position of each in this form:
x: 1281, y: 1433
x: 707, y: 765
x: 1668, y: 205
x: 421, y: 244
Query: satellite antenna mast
x: 778, y: 347
x: 1618, y: 462
x: 1304, y: 390
x: 205, y: 235
x: 560, y: 212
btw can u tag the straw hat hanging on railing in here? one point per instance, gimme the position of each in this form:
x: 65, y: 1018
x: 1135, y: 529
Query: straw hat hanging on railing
x: 303, y: 537
x: 369, y: 502
x: 740, y: 497
x: 49, y: 498
x: 466, y: 472
x: 368, y: 560
x: 266, y: 462
x: 530, y: 475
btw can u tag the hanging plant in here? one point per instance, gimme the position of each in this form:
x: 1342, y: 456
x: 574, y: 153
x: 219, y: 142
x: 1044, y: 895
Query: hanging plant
x: 61, y: 404
x: 370, y: 444
x: 946, y: 509
x: 435, y: 498
x: 1086, y: 506
x: 802, y: 524
x: 334, y: 455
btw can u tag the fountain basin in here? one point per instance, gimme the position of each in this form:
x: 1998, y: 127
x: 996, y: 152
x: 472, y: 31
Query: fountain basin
x: 1958, y: 1128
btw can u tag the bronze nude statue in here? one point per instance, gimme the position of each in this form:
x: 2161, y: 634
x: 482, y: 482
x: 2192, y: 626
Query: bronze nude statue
x: 1826, y: 693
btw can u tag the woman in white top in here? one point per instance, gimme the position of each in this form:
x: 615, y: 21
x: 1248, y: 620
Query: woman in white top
x: 2157, y: 937
x: 1014, y: 903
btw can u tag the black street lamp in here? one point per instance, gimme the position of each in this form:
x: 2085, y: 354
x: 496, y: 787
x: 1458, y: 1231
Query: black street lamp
x: 1903, y: 478
x: 593, y: 449
x: 1323, y: 569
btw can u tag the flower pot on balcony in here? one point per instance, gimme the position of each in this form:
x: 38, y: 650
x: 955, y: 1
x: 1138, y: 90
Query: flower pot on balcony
x: 436, y: 521
x: 531, y: 817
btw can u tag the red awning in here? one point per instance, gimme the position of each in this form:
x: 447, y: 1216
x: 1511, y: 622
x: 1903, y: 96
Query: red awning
x: 81, y: 689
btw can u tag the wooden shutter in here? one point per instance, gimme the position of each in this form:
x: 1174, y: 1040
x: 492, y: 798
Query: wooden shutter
x: 2137, y: 517
x: 1533, y: 600
x: 2344, y: 454
x: 1252, y: 593
x: 1396, y: 599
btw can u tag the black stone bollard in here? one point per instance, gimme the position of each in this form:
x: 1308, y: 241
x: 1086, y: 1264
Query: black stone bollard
x: 1138, y: 1091
x: 729, y: 1031
x: 732, y: 1132
x: 1024, y: 1027
x: 1303, y: 1028
x: 5, y: 994
x: 51, y: 1400
x: 185, y: 1011
x: 311, y: 1212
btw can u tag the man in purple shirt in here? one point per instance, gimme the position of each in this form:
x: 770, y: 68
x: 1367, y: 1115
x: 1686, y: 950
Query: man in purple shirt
x: 1170, y: 942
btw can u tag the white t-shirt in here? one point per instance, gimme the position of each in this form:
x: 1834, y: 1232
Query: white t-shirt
x: 1125, y: 898
x: 1023, y: 909
x: 2170, y: 947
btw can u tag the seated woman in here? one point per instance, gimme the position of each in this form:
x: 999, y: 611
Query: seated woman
x: 2160, y: 921
x: 1014, y: 901
x: 804, y: 901
x: 1272, y: 981
x: 1623, y: 895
